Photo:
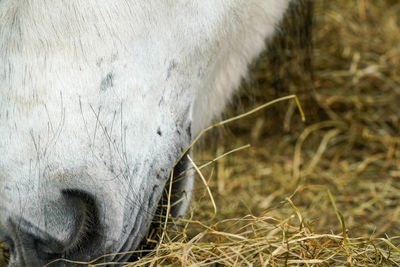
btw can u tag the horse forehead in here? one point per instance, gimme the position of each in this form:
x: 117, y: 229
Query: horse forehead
x: 83, y: 30
x: 41, y: 26
x: 45, y: 41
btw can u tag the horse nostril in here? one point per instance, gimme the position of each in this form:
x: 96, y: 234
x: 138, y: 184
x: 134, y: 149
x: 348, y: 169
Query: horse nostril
x: 71, y: 224
x: 88, y: 232
x: 47, y: 249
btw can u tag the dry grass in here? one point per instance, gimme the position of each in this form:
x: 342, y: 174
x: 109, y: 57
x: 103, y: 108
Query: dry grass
x: 324, y: 193
x: 350, y: 146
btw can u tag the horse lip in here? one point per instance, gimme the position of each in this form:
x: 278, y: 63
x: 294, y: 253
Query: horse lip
x: 3, y: 234
x: 38, y: 236
x: 80, y: 230
x: 6, y: 239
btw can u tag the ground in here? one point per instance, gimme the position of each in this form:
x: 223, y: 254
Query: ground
x: 325, y: 192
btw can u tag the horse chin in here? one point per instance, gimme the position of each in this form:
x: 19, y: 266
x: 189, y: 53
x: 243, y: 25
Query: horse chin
x: 147, y: 221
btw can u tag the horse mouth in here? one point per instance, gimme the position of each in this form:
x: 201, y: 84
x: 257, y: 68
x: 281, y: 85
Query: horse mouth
x: 87, y: 237
x: 32, y: 245
x: 157, y: 226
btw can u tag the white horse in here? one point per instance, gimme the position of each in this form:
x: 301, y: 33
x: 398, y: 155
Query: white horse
x: 98, y: 99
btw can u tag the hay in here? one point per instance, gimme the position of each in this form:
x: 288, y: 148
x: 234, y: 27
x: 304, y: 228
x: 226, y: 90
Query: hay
x: 4, y: 255
x: 324, y: 193
x: 351, y: 149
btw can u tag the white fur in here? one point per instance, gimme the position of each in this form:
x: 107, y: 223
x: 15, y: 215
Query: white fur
x: 85, y: 85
